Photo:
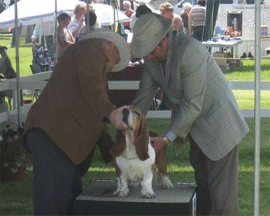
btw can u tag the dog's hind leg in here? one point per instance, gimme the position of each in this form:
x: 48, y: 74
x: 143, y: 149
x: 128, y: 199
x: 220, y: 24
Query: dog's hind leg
x: 165, y: 182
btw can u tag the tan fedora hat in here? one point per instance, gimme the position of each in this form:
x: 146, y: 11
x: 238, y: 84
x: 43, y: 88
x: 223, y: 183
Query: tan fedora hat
x: 118, y: 41
x: 148, y: 31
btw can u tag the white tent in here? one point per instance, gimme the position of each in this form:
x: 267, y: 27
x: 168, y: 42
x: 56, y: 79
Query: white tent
x: 33, y: 11
x: 105, y: 14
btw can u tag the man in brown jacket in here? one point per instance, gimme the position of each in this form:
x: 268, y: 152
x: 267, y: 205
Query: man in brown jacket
x: 67, y: 120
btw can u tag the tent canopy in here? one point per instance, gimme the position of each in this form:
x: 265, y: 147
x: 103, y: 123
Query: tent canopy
x: 34, y: 11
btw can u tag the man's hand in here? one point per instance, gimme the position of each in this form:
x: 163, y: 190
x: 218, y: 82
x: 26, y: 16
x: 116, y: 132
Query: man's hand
x: 34, y: 40
x: 116, y: 118
x: 158, y: 143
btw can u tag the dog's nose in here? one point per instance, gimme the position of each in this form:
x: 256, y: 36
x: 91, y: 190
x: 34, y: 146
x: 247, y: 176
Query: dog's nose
x: 125, y: 114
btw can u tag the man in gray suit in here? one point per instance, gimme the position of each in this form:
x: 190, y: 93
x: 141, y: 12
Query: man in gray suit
x: 203, y: 108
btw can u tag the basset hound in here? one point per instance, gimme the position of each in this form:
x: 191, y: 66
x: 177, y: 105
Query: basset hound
x: 135, y: 158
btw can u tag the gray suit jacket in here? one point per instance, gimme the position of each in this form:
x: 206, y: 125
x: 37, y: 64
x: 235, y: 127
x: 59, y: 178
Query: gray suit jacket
x: 203, y: 104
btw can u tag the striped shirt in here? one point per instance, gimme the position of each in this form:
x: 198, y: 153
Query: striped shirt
x: 197, y: 16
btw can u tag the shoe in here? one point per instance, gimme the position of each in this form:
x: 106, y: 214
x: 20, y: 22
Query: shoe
x: 244, y: 55
x: 250, y: 55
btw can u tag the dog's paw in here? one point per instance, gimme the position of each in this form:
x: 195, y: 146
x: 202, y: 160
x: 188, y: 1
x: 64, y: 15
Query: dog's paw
x: 134, y: 184
x: 148, y: 194
x: 166, y: 182
x: 121, y: 193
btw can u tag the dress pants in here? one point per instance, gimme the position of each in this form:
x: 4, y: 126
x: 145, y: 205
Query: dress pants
x: 197, y: 32
x: 217, y: 182
x: 57, y: 181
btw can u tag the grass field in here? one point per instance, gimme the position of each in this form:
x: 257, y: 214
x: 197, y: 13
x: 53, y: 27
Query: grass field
x: 245, y: 98
x: 16, y: 198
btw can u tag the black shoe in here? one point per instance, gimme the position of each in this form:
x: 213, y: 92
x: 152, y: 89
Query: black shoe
x: 244, y: 55
x: 250, y: 55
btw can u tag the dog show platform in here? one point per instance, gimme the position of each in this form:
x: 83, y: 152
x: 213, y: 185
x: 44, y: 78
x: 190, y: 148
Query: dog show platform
x: 97, y: 199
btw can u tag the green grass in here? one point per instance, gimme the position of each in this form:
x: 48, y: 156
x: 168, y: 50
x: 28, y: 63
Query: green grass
x: 247, y: 71
x: 16, y: 198
x: 245, y: 98
x: 25, y: 54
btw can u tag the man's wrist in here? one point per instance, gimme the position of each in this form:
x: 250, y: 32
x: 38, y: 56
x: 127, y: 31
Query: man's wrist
x: 166, y: 140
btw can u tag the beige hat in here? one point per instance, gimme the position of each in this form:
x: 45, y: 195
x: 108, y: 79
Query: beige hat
x: 148, y: 31
x: 118, y: 41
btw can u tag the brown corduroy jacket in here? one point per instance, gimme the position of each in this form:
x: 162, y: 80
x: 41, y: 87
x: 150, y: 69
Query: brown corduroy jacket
x: 74, y: 103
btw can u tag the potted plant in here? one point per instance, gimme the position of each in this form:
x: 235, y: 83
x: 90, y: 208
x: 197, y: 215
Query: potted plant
x: 14, y: 157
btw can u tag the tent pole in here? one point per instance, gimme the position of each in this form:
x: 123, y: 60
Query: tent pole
x: 17, y: 42
x: 113, y: 2
x: 55, y: 33
x: 257, y: 107
x: 87, y: 16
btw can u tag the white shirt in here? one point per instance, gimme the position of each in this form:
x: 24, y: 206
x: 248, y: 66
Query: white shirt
x: 43, y: 28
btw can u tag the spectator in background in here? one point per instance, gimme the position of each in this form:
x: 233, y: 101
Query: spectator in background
x: 141, y: 9
x: 90, y: 19
x: 11, y: 2
x: 128, y: 12
x: 44, y: 29
x: 13, y: 40
x: 197, y: 17
x: 185, y: 15
x: 77, y: 20
x: 92, y: 8
x: 64, y: 36
x: 166, y: 10
x: 109, y: 2
x: 2, y: 6
x: 3, y: 3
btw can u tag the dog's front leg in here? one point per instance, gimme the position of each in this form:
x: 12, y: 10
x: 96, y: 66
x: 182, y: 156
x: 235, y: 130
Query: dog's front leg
x: 147, y: 190
x: 166, y: 182
x: 122, y: 186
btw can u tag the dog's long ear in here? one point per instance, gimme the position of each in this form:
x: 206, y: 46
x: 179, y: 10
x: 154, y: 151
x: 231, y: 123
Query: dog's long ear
x: 119, y: 145
x: 142, y: 139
